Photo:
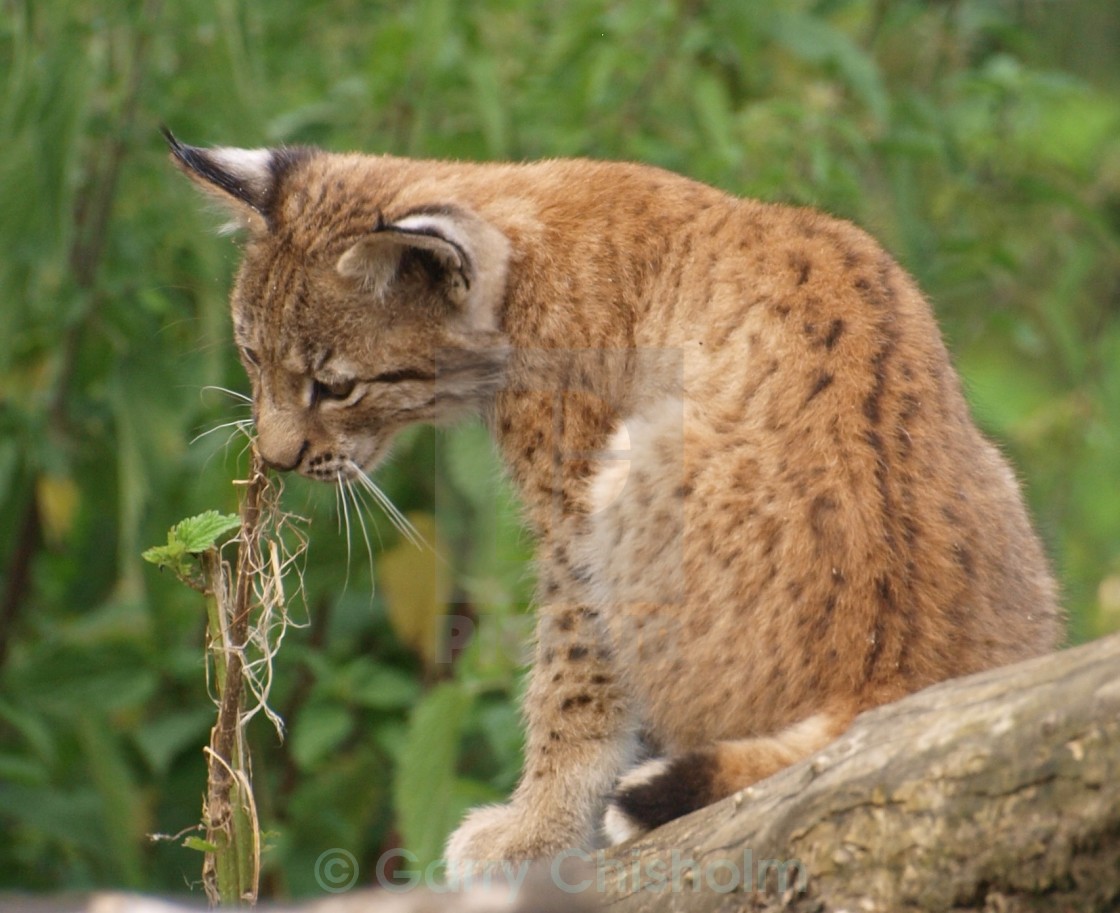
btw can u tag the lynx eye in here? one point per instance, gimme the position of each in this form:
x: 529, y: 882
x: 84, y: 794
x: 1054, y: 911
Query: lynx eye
x: 336, y: 390
x: 250, y: 356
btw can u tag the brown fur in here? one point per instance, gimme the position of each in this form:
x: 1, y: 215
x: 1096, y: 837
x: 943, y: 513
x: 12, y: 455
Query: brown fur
x: 761, y: 503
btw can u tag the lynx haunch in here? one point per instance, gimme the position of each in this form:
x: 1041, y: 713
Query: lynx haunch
x: 761, y: 504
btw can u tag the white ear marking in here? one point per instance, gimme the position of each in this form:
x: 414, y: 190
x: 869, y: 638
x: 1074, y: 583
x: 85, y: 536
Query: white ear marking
x: 252, y: 167
x: 444, y: 237
x: 443, y: 227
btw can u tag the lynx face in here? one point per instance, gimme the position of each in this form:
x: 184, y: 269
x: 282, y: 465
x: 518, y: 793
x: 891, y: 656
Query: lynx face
x: 353, y: 323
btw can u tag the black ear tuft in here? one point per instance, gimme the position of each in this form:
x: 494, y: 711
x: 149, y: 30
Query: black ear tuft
x: 247, y: 187
x: 248, y: 181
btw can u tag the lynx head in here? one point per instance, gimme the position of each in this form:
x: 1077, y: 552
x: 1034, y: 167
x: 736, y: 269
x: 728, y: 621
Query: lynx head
x: 355, y: 314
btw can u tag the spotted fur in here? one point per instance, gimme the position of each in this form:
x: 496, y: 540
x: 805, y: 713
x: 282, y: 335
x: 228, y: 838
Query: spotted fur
x: 761, y: 504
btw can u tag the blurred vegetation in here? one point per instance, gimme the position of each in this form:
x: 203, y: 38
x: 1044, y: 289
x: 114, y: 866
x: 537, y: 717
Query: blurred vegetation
x: 979, y: 139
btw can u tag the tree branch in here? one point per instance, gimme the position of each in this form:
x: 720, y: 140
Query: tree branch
x: 1000, y: 791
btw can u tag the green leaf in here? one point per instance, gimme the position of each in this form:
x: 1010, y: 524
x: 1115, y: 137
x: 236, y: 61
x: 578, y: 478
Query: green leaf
x: 196, y: 534
x: 472, y: 463
x: 381, y: 687
x: 172, y: 556
x: 34, y: 729
x: 715, y: 115
x: 162, y: 740
x: 816, y: 41
x: 121, y: 798
x: 73, y: 682
x: 26, y: 771
x: 426, y: 784
x: 190, y: 537
x: 197, y: 843
x: 320, y: 729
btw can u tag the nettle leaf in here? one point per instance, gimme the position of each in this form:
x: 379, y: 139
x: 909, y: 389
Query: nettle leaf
x: 196, y: 534
x: 190, y: 537
x: 171, y: 556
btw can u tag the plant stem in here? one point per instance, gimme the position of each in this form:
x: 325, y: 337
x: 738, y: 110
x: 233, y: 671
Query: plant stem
x: 231, y: 874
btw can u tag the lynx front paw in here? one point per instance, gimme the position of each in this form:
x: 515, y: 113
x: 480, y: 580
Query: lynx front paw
x: 498, y: 837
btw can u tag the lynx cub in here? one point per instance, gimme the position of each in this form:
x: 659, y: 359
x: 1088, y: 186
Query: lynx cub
x: 761, y: 504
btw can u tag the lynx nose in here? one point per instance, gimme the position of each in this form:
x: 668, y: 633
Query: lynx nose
x: 275, y: 459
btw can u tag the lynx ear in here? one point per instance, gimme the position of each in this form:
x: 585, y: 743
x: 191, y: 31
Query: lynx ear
x: 245, y: 181
x: 469, y: 254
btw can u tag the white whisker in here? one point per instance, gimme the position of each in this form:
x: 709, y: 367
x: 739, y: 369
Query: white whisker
x: 338, y: 501
x: 242, y: 424
x: 361, y: 496
x: 346, y: 514
x: 233, y: 393
x: 398, y: 519
x: 362, y: 524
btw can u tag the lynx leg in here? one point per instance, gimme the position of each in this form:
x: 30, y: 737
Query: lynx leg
x: 581, y: 735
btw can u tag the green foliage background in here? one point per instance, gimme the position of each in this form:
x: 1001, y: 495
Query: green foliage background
x: 980, y: 139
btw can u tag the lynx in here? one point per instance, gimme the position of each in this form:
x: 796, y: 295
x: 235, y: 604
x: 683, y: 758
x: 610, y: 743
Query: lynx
x: 760, y: 502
